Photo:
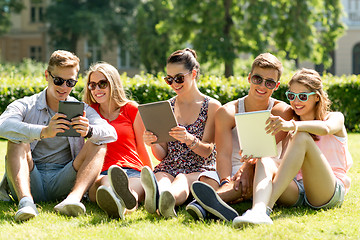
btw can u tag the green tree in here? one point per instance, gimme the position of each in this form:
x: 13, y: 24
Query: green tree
x: 308, y: 30
x: 8, y: 7
x: 222, y: 29
x: 96, y: 20
x: 153, y: 39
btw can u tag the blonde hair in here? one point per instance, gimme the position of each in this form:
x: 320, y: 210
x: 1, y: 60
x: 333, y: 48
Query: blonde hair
x: 65, y: 59
x: 117, y: 92
x: 312, y: 81
x: 267, y: 60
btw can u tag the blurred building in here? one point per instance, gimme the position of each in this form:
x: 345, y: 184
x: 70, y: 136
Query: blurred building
x: 28, y: 38
x: 346, y: 57
x: 347, y: 54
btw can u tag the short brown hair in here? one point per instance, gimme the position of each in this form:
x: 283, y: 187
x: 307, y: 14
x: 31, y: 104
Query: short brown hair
x: 267, y: 60
x: 62, y: 58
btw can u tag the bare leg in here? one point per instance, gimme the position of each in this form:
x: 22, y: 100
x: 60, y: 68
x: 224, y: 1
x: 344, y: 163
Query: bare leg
x: 88, y: 165
x: 319, y: 180
x: 264, y: 172
x: 213, y: 183
x: 164, y: 181
x: 180, y: 187
x: 136, y: 189
x: 101, y: 180
x: 18, y: 166
x: 226, y: 192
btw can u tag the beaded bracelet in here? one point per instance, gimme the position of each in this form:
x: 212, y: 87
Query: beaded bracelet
x: 194, y: 142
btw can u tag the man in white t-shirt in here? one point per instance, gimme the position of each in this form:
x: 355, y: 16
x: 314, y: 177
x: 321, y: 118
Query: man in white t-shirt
x: 232, y: 181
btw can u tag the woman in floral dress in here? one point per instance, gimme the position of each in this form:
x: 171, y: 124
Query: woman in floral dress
x: 193, y: 151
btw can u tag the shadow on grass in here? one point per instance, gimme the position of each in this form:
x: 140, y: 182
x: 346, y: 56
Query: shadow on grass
x: 95, y: 216
x: 7, y: 211
x: 283, y: 212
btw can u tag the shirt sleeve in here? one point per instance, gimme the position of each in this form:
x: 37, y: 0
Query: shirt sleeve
x: 12, y: 126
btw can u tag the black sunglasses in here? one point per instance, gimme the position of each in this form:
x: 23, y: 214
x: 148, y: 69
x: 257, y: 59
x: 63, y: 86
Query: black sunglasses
x: 179, y: 78
x: 58, y: 81
x: 269, y: 82
x: 102, y: 84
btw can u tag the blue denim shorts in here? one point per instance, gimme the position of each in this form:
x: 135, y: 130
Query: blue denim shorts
x: 131, y: 173
x: 50, y: 181
x: 336, y: 200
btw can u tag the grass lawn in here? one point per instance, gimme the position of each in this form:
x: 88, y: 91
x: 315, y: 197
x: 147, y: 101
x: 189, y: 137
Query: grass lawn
x: 296, y: 223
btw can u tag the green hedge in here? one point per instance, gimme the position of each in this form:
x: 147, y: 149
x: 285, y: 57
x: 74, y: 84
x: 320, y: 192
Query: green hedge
x: 343, y: 91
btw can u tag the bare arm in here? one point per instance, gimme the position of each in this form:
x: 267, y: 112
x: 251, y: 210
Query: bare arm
x: 139, y: 130
x: 333, y: 124
x: 224, y: 123
x: 159, y: 150
x: 284, y: 111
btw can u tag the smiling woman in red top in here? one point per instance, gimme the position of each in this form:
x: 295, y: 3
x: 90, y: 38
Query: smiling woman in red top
x: 118, y: 186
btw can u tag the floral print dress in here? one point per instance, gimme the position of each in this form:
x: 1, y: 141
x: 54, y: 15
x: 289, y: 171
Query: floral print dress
x: 180, y: 158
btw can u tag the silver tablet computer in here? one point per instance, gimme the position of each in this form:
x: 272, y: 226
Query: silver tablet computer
x: 158, y: 118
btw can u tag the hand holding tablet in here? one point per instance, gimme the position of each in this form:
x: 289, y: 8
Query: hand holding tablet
x: 71, y: 110
x: 159, y: 119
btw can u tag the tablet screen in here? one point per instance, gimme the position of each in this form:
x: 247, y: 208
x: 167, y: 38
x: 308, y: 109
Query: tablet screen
x: 253, y: 138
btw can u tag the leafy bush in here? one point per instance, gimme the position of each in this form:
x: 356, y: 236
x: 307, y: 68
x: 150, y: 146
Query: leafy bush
x: 343, y: 91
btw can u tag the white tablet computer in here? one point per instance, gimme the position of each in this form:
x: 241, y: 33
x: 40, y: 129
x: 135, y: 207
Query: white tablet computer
x: 158, y: 118
x: 253, y: 138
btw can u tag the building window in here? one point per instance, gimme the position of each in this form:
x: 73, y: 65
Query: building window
x: 126, y: 58
x: 123, y: 58
x: 93, y: 54
x: 36, y: 53
x: 354, y: 10
x: 356, y: 59
x: 33, y: 14
x: 36, y: 11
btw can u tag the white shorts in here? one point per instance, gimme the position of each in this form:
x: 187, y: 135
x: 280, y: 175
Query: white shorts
x: 214, y: 175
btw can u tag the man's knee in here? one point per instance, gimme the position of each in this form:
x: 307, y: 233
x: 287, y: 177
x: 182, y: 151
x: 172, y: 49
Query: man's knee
x: 17, y: 152
x: 89, y: 153
x: 97, y: 149
x: 17, y: 148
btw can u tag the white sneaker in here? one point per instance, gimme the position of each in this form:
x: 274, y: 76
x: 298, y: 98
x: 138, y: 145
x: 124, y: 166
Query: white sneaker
x: 119, y: 183
x: 167, y: 205
x: 149, y: 183
x: 252, y: 217
x: 70, y: 208
x: 109, y: 203
x: 27, y: 210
